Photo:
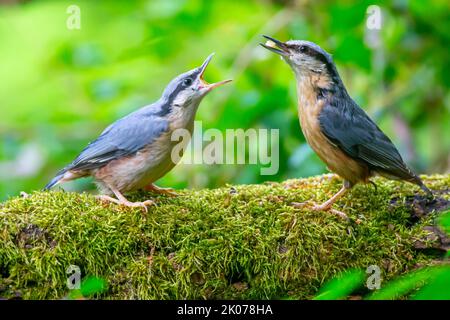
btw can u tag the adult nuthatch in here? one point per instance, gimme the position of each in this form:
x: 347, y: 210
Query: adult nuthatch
x: 135, y: 151
x: 337, y: 129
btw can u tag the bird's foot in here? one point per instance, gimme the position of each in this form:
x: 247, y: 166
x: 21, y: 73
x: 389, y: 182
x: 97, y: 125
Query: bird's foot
x: 331, y: 210
x: 127, y: 203
x: 166, y: 191
x: 322, y: 207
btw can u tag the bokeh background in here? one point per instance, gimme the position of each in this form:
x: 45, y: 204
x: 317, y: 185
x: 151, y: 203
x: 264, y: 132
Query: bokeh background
x: 60, y: 88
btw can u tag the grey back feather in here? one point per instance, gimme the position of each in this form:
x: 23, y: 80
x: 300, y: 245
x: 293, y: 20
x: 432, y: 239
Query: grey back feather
x: 124, y: 137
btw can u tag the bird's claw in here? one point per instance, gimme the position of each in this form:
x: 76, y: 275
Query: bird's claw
x: 333, y: 211
x: 316, y: 207
x: 166, y: 191
x: 142, y: 204
x: 300, y: 204
x: 127, y: 203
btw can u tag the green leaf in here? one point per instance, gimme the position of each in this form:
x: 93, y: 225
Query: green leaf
x: 92, y: 285
x: 406, y: 284
x: 89, y: 286
x: 444, y: 222
x: 438, y: 288
x: 341, y: 286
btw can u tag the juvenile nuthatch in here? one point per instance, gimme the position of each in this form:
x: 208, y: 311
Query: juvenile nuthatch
x: 135, y: 151
x: 336, y: 128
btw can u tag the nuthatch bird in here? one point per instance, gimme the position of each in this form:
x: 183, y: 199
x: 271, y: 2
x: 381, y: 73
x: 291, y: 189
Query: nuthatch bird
x: 336, y: 128
x: 135, y: 151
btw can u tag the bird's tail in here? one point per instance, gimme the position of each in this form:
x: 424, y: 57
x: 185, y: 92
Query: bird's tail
x: 406, y: 174
x: 422, y: 186
x: 55, y: 180
x: 427, y: 191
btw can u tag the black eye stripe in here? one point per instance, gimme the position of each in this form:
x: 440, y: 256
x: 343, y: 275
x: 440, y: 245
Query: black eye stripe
x: 317, y: 54
x: 313, y: 53
x: 175, y: 88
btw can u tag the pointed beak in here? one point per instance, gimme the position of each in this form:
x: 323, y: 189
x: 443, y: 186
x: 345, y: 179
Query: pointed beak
x: 205, y: 84
x: 276, y: 46
x: 205, y: 64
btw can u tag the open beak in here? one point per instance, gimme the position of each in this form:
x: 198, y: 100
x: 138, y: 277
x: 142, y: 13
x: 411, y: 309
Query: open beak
x: 204, y: 84
x: 276, y: 46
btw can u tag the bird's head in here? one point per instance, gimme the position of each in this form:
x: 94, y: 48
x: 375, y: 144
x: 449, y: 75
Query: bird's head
x: 305, y: 58
x: 189, y: 88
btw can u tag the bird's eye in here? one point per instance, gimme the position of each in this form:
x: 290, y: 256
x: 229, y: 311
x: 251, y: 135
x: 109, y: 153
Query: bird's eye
x: 303, y: 48
x: 187, y: 82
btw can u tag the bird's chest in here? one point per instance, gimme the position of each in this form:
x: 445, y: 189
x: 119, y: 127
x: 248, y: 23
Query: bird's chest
x: 309, y: 108
x: 159, y: 158
x: 159, y: 153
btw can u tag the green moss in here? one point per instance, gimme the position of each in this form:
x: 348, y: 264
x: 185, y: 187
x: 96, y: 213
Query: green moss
x: 247, y: 243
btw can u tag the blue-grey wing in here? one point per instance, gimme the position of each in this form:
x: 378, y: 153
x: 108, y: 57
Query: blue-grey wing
x: 347, y: 126
x: 123, y: 138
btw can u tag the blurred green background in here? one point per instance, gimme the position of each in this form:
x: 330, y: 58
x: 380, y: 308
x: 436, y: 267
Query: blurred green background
x: 60, y: 88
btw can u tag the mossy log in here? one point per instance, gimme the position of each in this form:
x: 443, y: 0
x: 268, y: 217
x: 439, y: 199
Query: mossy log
x: 244, y: 241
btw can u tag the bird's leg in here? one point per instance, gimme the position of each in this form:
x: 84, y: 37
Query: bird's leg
x: 124, y: 201
x: 167, y: 191
x: 326, y: 206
